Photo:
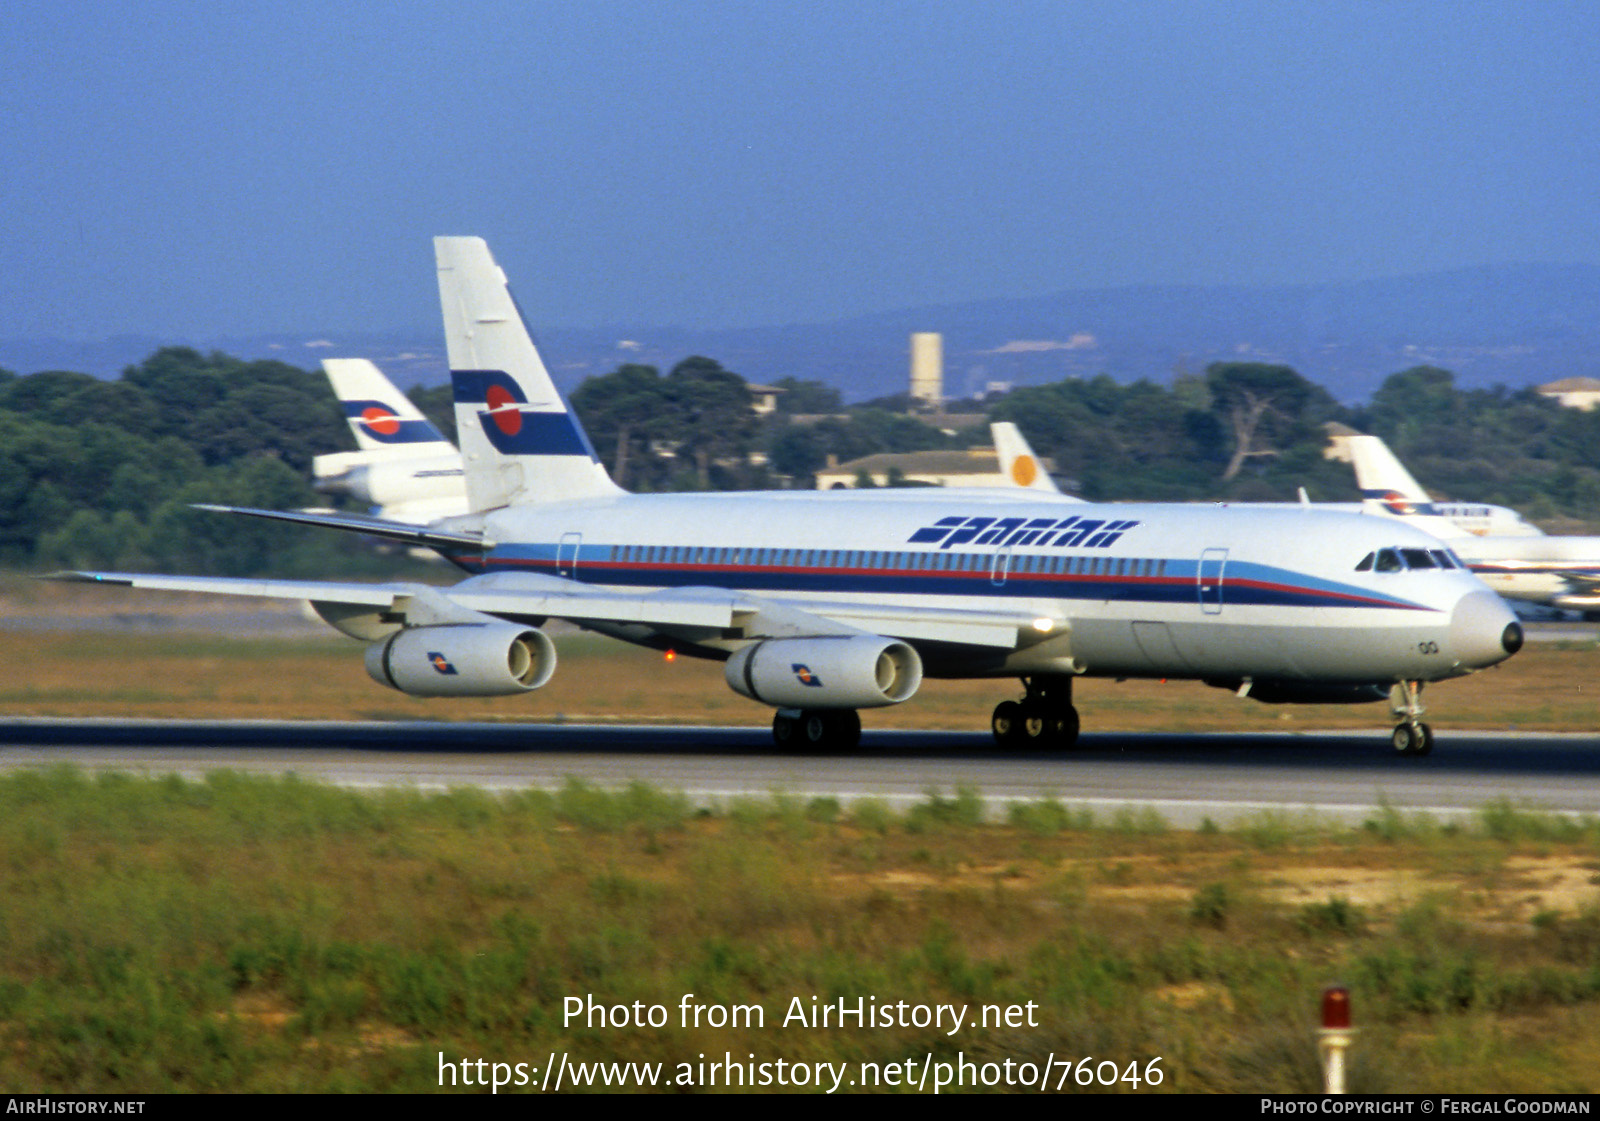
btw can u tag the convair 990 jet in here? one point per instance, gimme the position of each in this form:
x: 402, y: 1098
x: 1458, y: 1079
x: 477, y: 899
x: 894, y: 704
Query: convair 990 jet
x: 824, y: 603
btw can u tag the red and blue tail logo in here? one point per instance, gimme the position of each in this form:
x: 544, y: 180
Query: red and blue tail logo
x: 383, y: 424
x: 513, y: 426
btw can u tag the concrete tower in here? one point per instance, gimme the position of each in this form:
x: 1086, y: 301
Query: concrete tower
x: 927, y: 367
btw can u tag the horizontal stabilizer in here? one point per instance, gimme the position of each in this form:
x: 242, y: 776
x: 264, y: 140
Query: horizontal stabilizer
x: 371, y: 527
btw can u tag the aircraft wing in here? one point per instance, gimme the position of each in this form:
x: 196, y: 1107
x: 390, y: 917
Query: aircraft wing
x: 693, y: 610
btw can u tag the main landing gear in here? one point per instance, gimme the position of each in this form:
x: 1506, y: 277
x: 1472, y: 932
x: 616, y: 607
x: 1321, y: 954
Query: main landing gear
x: 1044, y: 720
x: 1411, y: 735
x: 816, y: 729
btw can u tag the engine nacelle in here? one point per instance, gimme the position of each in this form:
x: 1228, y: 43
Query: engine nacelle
x: 844, y: 671
x: 466, y: 660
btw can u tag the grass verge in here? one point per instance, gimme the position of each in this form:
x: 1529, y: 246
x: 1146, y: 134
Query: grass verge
x: 261, y: 934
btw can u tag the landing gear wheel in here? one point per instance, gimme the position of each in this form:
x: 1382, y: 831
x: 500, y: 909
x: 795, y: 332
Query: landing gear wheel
x: 1413, y: 739
x: 1048, y: 728
x: 1044, y: 720
x: 1006, y: 723
x: 844, y: 729
x: 785, y: 730
x: 1064, y: 729
x: 816, y: 729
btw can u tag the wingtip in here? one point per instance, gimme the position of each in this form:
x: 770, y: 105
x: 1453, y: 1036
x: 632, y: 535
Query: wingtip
x: 71, y: 576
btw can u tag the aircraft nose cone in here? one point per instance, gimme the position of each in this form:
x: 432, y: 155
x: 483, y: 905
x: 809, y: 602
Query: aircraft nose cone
x: 1483, y: 630
x: 1511, y: 637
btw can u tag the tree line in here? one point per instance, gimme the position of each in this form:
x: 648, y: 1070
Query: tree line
x: 100, y: 473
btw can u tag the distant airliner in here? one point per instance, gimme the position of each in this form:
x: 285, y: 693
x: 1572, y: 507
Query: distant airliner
x: 1511, y: 555
x: 405, y: 469
x: 824, y: 603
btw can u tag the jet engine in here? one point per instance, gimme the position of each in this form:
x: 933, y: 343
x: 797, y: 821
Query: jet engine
x: 463, y: 660
x: 832, y: 671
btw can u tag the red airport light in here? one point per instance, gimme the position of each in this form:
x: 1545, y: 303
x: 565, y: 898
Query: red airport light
x: 1336, y: 1008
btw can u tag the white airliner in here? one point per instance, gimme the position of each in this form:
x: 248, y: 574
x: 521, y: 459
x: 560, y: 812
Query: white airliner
x: 405, y: 469
x: 824, y: 603
x: 1388, y: 488
x: 1512, y: 556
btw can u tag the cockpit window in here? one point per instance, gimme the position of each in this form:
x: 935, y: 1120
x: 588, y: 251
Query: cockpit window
x: 1389, y: 561
x: 1366, y: 563
x: 1418, y: 558
x: 1442, y: 557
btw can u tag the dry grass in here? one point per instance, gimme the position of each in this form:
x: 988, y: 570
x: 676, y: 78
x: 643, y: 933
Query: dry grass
x: 248, y: 934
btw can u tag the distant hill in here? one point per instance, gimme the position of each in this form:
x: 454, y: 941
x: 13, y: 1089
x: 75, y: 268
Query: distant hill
x: 1512, y: 324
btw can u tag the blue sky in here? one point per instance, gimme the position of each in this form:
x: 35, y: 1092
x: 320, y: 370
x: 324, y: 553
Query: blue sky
x: 193, y: 170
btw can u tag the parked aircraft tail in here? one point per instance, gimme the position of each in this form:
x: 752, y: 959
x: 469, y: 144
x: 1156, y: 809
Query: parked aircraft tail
x: 380, y: 415
x: 1017, y: 461
x: 519, y: 441
x: 1383, y: 478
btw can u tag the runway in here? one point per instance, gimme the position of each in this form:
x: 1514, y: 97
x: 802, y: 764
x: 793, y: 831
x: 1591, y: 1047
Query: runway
x: 1342, y: 776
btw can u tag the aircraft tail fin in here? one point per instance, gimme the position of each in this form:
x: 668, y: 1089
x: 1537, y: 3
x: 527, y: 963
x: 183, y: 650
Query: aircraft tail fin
x: 1017, y: 461
x: 1379, y: 474
x: 519, y: 441
x: 380, y: 415
x: 1387, y: 488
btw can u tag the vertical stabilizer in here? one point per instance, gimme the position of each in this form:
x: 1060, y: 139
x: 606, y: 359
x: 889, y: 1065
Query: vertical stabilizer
x: 1387, y: 488
x: 380, y: 415
x: 1379, y: 474
x: 1017, y: 461
x: 519, y: 442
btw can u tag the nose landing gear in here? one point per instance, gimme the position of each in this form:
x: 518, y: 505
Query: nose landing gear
x: 1411, y: 735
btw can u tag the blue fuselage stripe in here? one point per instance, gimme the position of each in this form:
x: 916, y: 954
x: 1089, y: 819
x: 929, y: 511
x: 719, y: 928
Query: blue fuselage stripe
x: 1245, y: 585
